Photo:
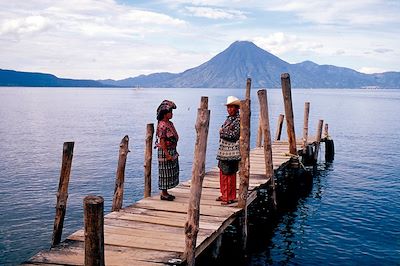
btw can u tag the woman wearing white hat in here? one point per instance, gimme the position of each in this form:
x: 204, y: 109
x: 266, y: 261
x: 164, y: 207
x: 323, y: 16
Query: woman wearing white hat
x: 228, y: 153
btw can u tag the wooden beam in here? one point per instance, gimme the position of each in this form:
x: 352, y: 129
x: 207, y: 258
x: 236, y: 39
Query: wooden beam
x: 120, y: 177
x: 198, y: 172
x: 287, y: 98
x: 62, y: 194
x: 269, y: 166
x: 147, y: 159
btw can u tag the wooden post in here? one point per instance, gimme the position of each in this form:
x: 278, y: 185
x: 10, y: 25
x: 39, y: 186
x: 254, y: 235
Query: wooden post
x: 119, y: 180
x: 198, y: 172
x: 279, y: 127
x: 269, y: 167
x: 318, y: 139
x: 244, y: 168
x: 62, y: 194
x: 244, y: 172
x: 305, y: 126
x: 94, y: 230
x: 259, y: 133
x: 248, y: 87
x: 326, y: 128
x: 148, y: 154
x: 287, y: 98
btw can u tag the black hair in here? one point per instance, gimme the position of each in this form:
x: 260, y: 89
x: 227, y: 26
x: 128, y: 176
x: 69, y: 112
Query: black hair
x: 160, y: 115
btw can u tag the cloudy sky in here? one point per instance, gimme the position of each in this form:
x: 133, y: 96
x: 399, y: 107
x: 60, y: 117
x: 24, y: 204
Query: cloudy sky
x: 125, y: 38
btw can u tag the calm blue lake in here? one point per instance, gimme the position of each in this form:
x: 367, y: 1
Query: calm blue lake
x: 351, y: 216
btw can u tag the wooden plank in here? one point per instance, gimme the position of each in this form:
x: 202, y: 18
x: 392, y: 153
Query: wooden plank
x: 156, y: 204
x: 73, y: 254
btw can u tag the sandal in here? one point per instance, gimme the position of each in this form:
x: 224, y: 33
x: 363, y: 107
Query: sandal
x: 172, y: 196
x: 219, y: 198
x: 169, y: 197
x: 229, y: 202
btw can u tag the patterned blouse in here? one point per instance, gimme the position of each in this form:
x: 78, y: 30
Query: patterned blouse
x: 166, y: 130
x: 230, y: 130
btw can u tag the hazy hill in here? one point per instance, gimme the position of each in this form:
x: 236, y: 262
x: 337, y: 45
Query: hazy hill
x: 29, y: 79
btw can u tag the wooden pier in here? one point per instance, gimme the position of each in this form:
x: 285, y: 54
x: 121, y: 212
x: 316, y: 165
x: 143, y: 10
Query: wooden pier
x: 155, y: 232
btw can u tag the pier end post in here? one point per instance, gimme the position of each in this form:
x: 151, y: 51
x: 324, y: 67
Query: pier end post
x: 62, y: 194
x: 120, y: 176
x: 305, y: 125
x: 147, y: 159
x: 329, y: 146
x: 94, y: 230
x: 198, y: 172
x: 287, y: 98
x: 318, y: 139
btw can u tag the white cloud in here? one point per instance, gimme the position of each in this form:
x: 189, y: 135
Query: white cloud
x: 215, y: 13
x: 27, y: 25
x: 359, y: 12
x: 280, y: 43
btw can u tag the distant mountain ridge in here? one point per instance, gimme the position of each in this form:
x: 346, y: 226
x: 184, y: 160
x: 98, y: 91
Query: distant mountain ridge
x: 30, y: 79
x: 242, y: 59
x: 228, y: 69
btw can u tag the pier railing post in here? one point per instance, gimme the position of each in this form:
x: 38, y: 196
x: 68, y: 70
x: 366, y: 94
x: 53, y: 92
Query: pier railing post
x: 287, y: 98
x: 94, y: 230
x: 318, y: 139
x: 120, y: 176
x: 279, y: 125
x: 305, y: 126
x: 269, y: 167
x: 198, y: 172
x: 62, y: 194
x: 147, y: 159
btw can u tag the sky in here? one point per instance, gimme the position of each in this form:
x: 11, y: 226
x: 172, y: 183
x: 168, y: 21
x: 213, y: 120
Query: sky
x: 117, y: 39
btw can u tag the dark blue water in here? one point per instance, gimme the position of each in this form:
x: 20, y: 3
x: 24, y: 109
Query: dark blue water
x: 350, y: 217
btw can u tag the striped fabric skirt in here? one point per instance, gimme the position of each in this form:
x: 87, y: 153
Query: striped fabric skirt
x: 168, y: 171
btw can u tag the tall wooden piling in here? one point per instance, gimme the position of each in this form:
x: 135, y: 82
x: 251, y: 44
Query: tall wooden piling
x: 318, y: 139
x: 269, y: 167
x: 244, y: 169
x: 259, y: 133
x: 94, y: 230
x: 248, y: 88
x: 198, y: 172
x: 120, y: 176
x: 279, y: 125
x: 148, y: 154
x: 244, y: 151
x: 305, y: 125
x: 62, y: 194
x: 287, y: 98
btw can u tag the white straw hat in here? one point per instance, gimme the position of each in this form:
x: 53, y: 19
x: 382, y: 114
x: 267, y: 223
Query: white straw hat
x: 232, y: 100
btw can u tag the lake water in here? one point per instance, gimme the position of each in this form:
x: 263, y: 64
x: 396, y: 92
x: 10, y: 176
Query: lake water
x: 350, y: 217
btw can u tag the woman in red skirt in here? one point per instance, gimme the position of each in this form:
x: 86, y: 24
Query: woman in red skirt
x: 228, y: 153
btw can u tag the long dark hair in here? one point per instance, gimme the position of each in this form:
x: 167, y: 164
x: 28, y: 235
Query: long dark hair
x: 162, y: 113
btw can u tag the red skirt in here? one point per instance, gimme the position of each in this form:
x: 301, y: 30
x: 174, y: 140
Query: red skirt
x: 227, y: 186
